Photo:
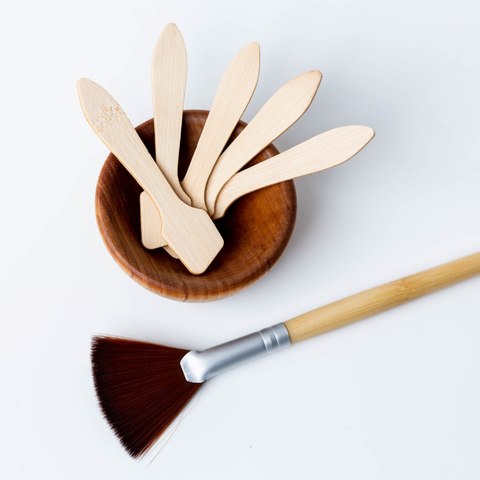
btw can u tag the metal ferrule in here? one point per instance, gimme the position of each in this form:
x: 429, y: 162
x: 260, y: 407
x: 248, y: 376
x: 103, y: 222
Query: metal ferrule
x: 200, y: 366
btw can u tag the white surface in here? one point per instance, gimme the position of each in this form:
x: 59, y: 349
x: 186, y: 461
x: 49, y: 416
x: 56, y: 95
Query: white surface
x: 392, y: 397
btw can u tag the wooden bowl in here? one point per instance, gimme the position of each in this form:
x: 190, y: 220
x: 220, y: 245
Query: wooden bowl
x: 256, y: 228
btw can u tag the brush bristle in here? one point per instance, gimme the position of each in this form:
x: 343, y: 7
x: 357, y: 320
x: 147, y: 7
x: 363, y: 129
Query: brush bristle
x: 141, y: 388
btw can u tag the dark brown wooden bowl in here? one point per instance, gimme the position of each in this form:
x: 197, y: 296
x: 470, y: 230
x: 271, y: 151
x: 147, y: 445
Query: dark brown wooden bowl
x: 256, y: 228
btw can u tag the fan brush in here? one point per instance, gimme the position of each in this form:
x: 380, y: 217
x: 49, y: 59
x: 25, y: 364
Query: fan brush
x: 142, y: 387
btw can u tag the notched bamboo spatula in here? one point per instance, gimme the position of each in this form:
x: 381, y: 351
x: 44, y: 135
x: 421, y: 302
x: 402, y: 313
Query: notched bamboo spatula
x: 319, y: 153
x: 189, y: 231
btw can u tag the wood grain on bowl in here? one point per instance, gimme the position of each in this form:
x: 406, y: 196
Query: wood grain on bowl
x: 256, y: 228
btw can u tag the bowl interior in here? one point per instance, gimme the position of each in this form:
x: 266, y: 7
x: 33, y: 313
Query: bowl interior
x: 256, y: 228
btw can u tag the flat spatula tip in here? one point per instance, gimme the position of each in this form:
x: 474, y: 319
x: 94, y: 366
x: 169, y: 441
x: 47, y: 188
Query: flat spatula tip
x: 84, y: 84
x: 365, y: 132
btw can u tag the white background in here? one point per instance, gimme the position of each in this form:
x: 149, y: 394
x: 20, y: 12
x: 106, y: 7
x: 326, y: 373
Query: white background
x: 395, y: 396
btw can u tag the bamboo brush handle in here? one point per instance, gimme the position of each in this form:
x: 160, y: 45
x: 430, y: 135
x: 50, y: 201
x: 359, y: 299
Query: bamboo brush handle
x: 378, y: 299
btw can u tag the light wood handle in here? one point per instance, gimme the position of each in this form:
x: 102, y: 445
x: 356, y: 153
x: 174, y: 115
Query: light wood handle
x: 379, y: 299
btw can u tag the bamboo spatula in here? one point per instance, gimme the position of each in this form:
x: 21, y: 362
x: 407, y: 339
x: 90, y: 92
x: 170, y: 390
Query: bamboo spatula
x: 319, y: 153
x: 169, y: 79
x: 233, y: 95
x: 189, y: 231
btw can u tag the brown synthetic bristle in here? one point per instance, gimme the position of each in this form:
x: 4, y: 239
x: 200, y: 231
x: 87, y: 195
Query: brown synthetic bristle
x: 141, y: 388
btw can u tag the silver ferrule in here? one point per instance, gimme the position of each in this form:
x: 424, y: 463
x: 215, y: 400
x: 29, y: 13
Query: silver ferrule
x: 200, y: 366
